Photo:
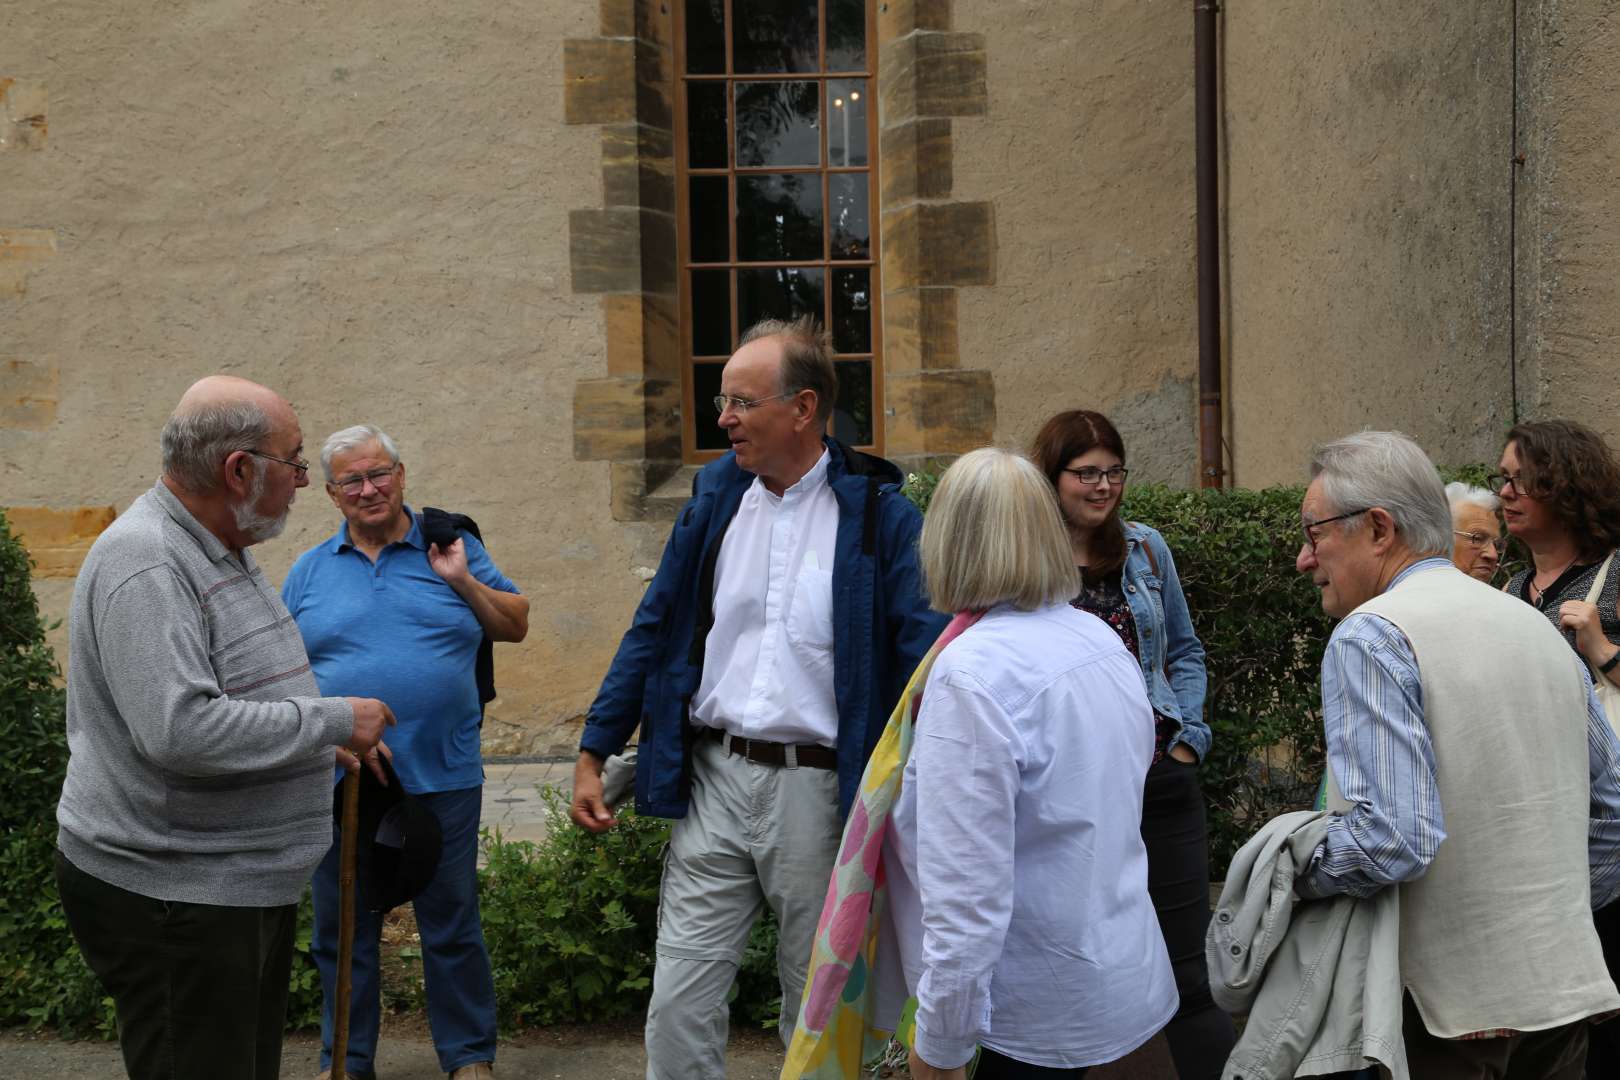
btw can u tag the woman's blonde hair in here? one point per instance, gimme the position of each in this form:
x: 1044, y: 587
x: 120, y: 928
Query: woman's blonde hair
x: 993, y: 534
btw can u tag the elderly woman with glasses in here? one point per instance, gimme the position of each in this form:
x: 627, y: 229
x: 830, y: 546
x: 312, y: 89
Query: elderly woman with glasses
x: 1128, y: 579
x: 1018, y: 878
x: 1476, y: 547
x: 1560, y: 487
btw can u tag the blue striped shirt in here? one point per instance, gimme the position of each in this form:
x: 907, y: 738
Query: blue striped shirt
x: 1380, y: 752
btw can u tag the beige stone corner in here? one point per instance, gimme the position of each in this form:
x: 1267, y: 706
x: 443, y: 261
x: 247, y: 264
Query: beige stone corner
x: 939, y: 412
x: 917, y: 161
x: 29, y: 390
x: 950, y: 243
x: 638, y: 166
x: 897, y: 18
x: 932, y: 74
x: 21, y: 253
x: 59, y: 539
x: 599, y: 81
x: 626, y: 419
x: 636, y: 494
x: 641, y: 335
x: 22, y: 115
x: 648, y: 20
x: 919, y: 329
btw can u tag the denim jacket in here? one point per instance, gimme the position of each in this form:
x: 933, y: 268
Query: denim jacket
x: 1172, y: 656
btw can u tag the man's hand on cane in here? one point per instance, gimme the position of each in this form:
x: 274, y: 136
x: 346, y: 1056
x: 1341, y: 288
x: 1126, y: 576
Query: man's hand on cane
x: 371, y: 717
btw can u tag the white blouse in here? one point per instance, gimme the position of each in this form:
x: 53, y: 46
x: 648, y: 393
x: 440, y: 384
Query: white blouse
x: 1017, y: 876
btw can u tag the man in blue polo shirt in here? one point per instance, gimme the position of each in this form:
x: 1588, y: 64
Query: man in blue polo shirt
x: 381, y: 608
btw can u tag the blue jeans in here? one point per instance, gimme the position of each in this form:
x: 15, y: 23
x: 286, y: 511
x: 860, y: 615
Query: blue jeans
x: 455, y: 964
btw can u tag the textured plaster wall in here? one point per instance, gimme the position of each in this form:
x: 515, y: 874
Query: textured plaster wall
x: 1368, y: 222
x: 1569, y: 212
x: 363, y: 205
x: 1086, y: 152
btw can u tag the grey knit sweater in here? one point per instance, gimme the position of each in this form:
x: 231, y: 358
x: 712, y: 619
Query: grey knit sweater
x: 201, y: 765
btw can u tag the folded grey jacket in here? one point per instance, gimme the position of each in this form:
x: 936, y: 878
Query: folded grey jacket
x: 1320, y: 979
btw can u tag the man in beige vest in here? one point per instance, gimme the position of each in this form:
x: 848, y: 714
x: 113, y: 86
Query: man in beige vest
x: 1468, y: 763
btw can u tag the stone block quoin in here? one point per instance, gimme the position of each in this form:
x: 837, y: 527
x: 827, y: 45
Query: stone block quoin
x: 929, y: 73
x: 624, y: 251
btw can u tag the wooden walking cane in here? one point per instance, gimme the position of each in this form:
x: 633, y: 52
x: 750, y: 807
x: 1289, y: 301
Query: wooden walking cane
x: 346, y: 860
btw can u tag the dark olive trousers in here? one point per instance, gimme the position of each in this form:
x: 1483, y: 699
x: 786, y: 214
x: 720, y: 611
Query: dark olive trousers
x: 994, y: 1066
x: 1553, y: 1054
x: 201, y: 990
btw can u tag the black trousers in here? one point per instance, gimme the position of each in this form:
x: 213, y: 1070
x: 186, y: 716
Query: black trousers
x: 1603, y: 1048
x: 1174, y: 830
x: 201, y: 990
x: 994, y: 1066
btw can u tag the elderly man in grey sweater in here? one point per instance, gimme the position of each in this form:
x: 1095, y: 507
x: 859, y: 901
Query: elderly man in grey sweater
x: 198, y: 794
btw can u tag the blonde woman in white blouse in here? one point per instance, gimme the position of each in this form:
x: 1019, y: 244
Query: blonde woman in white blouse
x: 1018, y: 877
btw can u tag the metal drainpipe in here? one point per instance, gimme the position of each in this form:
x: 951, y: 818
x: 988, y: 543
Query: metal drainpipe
x: 1211, y: 471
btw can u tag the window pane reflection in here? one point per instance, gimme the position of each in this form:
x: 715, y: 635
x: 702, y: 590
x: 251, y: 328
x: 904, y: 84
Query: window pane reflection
x: 711, y: 313
x: 851, y: 226
x: 774, y: 35
x: 852, y: 417
x: 706, y: 125
x: 705, y: 37
x: 710, y: 221
x: 846, y: 121
x: 852, y: 311
x: 779, y: 217
x: 777, y: 124
x: 846, y: 35
x: 705, y: 421
x: 782, y: 293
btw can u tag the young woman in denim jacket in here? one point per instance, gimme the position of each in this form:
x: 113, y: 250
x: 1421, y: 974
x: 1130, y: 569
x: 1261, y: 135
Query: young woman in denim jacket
x: 1129, y: 581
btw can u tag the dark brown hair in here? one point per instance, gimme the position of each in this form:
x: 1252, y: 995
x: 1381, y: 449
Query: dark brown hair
x: 1569, y: 467
x: 1062, y: 439
x: 806, y: 359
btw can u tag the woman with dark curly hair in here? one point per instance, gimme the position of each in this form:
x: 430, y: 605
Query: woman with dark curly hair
x: 1560, y: 489
x: 1128, y: 579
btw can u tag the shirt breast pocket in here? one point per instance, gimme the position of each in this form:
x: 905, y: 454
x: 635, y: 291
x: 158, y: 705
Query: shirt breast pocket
x: 809, y: 624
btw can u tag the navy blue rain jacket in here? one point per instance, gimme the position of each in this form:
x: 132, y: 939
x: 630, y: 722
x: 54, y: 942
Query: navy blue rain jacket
x: 882, y: 626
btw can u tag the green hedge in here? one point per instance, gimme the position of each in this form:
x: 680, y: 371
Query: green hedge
x: 43, y: 980
x: 1263, y: 631
x: 571, y: 924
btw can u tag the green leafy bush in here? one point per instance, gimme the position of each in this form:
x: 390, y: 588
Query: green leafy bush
x: 304, y: 988
x: 43, y: 980
x: 1263, y: 630
x: 571, y: 924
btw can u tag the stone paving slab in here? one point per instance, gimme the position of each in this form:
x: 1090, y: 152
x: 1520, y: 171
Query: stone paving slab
x: 512, y: 802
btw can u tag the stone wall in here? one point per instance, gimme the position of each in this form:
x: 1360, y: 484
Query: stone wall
x: 363, y: 205
x: 1569, y: 212
x: 1367, y: 194
x: 1085, y: 152
x: 459, y: 226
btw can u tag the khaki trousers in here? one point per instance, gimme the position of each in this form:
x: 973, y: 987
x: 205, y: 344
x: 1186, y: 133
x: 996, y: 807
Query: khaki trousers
x: 753, y: 833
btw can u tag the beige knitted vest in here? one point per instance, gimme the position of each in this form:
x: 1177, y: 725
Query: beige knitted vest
x: 1498, y: 933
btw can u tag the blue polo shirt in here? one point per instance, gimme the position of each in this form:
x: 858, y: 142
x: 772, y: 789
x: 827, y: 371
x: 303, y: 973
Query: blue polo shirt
x: 396, y: 631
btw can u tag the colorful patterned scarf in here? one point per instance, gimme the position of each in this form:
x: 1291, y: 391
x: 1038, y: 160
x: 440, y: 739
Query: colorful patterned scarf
x: 837, y: 1031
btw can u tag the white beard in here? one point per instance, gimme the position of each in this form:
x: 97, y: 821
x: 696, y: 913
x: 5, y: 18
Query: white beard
x: 255, y: 526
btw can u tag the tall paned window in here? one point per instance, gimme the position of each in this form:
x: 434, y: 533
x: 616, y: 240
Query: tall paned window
x: 776, y: 132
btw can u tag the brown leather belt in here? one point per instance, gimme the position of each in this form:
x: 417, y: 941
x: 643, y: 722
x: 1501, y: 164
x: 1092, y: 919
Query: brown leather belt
x: 775, y: 753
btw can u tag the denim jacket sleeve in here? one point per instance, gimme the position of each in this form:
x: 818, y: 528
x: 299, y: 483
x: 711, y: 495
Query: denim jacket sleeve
x: 1183, y: 652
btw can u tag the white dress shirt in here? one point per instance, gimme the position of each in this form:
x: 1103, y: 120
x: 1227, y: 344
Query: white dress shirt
x: 1017, y: 875
x: 768, y: 664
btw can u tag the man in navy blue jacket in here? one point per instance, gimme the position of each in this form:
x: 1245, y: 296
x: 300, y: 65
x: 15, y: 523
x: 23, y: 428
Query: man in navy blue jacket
x: 759, y: 671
